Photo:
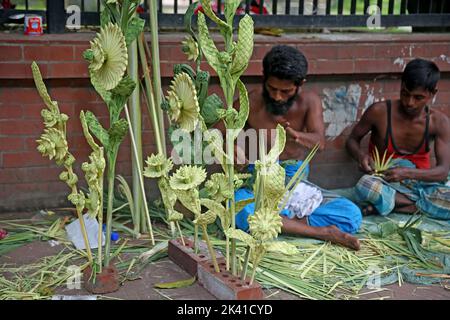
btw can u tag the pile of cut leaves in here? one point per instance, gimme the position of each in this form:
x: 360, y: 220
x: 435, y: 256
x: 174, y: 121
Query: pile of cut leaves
x: 391, y: 252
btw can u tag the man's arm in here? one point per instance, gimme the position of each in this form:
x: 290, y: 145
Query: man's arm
x: 442, y: 151
x: 353, y: 143
x: 314, y: 125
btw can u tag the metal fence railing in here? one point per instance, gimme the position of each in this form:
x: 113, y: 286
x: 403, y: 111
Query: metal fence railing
x: 266, y: 13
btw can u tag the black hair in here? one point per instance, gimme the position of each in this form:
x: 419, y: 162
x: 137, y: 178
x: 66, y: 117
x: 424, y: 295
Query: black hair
x: 420, y: 73
x: 286, y: 63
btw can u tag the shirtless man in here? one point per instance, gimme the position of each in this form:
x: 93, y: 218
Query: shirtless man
x: 406, y: 128
x: 281, y: 100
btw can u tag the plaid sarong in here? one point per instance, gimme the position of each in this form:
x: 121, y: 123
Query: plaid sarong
x: 431, y: 198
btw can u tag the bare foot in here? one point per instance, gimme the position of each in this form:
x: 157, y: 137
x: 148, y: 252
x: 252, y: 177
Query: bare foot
x: 334, y: 235
x: 368, y: 210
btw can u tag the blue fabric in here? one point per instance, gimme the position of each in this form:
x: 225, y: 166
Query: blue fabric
x: 337, y: 211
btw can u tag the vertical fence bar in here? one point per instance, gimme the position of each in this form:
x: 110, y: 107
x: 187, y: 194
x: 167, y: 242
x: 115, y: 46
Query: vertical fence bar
x: 431, y: 7
x: 175, y: 7
x: 418, y: 6
x: 328, y: 8
x: 380, y: 5
x: 27, y: 6
x: 403, y: 7
x: 160, y: 8
x: 315, y: 7
x: 219, y: 6
x: 274, y: 7
x: 391, y: 6
x: 301, y: 7
x: 82, y: 6
x: 56, y: 16
x: 340, y: 6
x: 353, y: 7
x: 287, y: 9
x: 366, y: 5
x: 261, y: 7
x: 98, y: 6
x: 442, y: 7
x: 247, y: 6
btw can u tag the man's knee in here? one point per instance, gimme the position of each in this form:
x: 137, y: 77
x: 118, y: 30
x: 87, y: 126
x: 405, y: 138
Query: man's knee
x: 368, y: 188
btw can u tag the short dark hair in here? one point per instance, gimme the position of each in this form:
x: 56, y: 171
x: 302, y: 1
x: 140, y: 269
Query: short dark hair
x: 286, y: 63
x: 420, y: 73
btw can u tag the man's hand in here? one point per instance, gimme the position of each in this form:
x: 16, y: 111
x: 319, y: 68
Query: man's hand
x: 397, y: 174
x: 292, y: 134
x: 366, y: 163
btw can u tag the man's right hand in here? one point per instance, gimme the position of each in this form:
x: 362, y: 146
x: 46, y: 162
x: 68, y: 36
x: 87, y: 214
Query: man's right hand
x: 366, y: 163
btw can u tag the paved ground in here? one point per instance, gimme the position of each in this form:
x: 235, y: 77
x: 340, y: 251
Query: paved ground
x: 165, y: 270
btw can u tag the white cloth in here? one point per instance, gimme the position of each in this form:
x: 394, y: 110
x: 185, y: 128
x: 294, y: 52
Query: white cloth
x: 304, y: 200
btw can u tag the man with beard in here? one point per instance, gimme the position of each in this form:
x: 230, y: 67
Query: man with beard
x: 312, y: 212
x: 405, y: 129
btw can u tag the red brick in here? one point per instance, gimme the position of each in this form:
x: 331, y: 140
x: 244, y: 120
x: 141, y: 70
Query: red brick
x: 391, y: 51
x: 61, y: 53
x: 11, y: 53
x: 78, y: 52
x: 319, y: 52
x: 332, y: 67
x: 18, y: 95
x: 36, y: 53
x: 11, y: 144
x: 21, y: 175
x: 260, y: 51
x: 18, y: 70
x: 33, y: 110
x: 254, y: 68
x: 372, y: 66
x: 347, y: 52
x: 20, y: 127
x: 48, y: 53
x: 443, y: 66
x: 24, y: 159
x: 436, y: 50
x: 10, y: 111
x: 65, y: 94
x: 69, y: 70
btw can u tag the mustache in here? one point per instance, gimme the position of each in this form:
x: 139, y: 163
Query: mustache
x: 277, y: 108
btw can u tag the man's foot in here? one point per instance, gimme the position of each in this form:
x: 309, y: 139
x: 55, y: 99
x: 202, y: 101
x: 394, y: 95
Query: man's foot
x: 334, y: 235
x: 369, y: 210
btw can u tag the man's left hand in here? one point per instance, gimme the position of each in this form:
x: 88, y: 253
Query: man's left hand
x: 396, y: 174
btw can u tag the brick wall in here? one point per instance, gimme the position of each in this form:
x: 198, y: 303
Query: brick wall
x: 349, y: 72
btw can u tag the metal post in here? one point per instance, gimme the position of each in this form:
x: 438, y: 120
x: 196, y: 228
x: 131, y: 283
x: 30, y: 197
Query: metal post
x: 56, y: 16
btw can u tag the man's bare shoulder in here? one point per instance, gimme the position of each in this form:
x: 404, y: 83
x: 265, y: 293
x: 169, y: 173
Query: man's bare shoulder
x: 440, y: 119
x: 310, y: 97
x: 376, y: 110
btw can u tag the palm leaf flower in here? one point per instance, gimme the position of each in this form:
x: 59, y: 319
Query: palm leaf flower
x: 158, y: 167
x: 381, y: 164
x: 183, y: 104
x: 185, y: 182
x: 187, y: 178
x: 53, y: 144
x: 108, y: 56
x: 265, y: 224
x: 190, y: 47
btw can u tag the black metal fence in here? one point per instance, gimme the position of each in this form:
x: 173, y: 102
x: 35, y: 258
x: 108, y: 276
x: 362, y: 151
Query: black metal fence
x: 287, y: 14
